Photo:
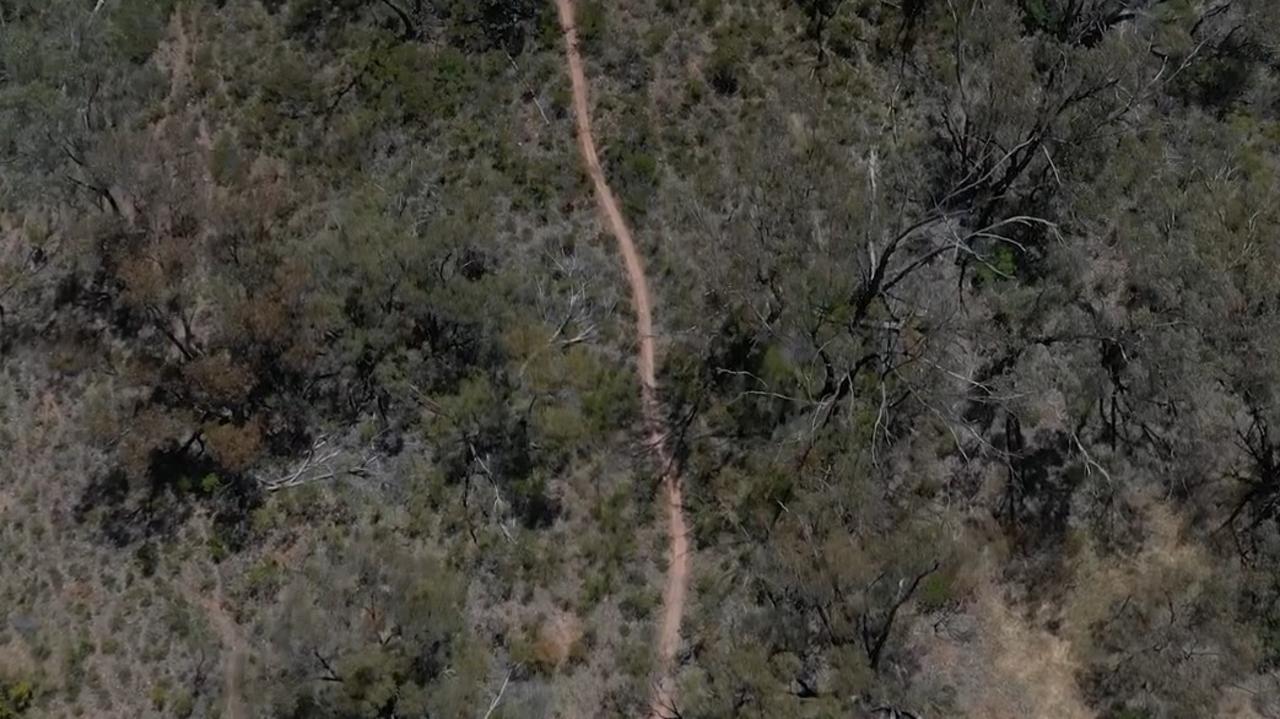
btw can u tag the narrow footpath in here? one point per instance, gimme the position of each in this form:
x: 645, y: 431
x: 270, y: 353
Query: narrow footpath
x: 675, y: 590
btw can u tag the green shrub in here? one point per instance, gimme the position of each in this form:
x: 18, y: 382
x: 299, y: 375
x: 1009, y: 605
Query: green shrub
x: 137, y: 26
x: 936, y: 591
x: 591, y: 24
x: 638, y: 604
x: 217, y: 549
x: 16, y: 699
x: 210, y: 483
x: 183, y: 704
x: 159, y: 695
x: 724, y: 66
x: 225, y: 161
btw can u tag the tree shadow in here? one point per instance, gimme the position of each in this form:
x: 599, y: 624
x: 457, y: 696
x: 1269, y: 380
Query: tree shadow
x: 177, y: 481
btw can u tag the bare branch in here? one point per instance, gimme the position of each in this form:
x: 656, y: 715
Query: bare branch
x: 316, y: 467
x: 498, y: 699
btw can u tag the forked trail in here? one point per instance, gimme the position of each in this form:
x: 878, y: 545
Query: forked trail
x: 677, y: 580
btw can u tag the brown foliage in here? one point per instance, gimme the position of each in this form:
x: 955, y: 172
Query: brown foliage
x: 219, y: 379
x: 236, y: 447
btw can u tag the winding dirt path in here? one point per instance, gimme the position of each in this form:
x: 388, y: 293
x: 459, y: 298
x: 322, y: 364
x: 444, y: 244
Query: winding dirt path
x: 674, y: 591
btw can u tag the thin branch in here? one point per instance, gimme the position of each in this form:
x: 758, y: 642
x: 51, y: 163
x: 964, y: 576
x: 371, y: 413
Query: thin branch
x: 315, y: 467
x: 410, y: 31
x: 497, y: 699
x: 529, y: 89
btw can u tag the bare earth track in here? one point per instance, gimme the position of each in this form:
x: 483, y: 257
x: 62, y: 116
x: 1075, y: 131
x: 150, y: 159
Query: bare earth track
x: 234, y: 647
x: 234, y: 652
x: 676, y: 586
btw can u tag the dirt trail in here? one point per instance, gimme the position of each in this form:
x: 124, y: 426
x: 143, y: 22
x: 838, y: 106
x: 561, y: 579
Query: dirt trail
x: 677, y: 581
x: 235, y: 650
x: 234, y: 647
